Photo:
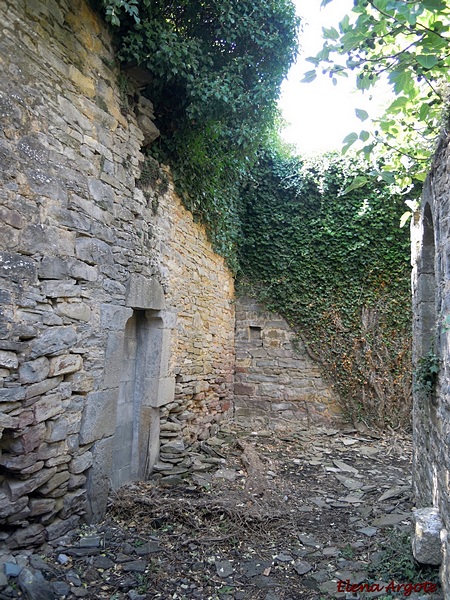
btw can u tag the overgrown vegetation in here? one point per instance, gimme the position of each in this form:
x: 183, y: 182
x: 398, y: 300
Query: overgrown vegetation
x: 396, y: 562
x: 404, y: 44
x: 426, y: 374
x: 216, y: 69
x: 317, y: 242
x: 336, y: 265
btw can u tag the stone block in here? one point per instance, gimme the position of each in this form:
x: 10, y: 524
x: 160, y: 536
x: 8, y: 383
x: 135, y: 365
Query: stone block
x: 28, y: 441
x: 61, y: 289
x: 99, y: 417
x: 426, y: 540
x: 79, y: 270
x: 42, y: 387
x: 44, y: 239
x: 113, y: 317
x: 17, y: 463
x: 81, y: 382
x: 98, y: 479
x: 60, y: 527
x: 53, y: 483
x: 8, y: 360
x: 8, y: 422
x: 14, y: 394
x: 52, y: 341
x: 160, y: 394
x: 81, y: 463
x: 57, y: 430
x: 93, y: 251
x: 17, y: 268
x: 241, y: 389
x: 18, y: 488
x: 33, y: 535
x: 78, y: 311
x: 52, y: 267
x: 41, y: 506
x: 148, y: 128
x: 102, y: 194
x: 47, y: 451
x: 9, y: 507
x: 35, y: 370
x: 48, y: 407
x: 144, y: 293
x: 74, y: 502
x: 64, y: 364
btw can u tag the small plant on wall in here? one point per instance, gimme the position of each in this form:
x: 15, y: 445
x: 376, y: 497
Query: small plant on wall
x: 426, y: 374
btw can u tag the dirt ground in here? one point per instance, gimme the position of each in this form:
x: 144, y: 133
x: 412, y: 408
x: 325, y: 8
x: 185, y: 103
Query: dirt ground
x: 265, y: 515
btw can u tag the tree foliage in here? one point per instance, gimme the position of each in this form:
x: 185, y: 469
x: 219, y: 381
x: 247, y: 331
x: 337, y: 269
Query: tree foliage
x: 216, y: 69
x: 406, y: 43
x: 332, y: 260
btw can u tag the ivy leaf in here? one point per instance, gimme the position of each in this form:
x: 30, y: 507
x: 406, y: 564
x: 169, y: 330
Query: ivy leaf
x: 358, y: 182
x: 361, y: 114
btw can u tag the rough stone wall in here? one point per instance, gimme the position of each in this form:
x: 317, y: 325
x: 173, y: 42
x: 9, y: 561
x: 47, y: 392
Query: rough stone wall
x: 277, y: 382
x: 99, y: 285
x: 201, y: 290
x: 431, y: 303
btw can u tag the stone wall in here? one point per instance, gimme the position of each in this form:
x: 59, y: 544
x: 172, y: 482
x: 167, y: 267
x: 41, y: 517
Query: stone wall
x: 277, y: 382
x: 431, y: 296
x: 117, y: 322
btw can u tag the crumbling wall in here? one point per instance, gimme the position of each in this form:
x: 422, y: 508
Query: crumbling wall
x: 277, y: 382
x: 431, y: 307
x: 117, y: 326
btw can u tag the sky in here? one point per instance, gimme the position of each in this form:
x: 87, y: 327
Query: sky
x: 321, y: 114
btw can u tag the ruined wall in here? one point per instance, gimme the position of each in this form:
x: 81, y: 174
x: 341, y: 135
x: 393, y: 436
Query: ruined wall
x: 117, y: 327
x: 277, y: 382
x: 431, y: 304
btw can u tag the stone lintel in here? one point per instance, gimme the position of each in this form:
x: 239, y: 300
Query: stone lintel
x: 144, y: 293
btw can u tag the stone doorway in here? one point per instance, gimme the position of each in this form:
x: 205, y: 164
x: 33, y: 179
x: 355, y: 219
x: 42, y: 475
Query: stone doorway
x: 137, y: 423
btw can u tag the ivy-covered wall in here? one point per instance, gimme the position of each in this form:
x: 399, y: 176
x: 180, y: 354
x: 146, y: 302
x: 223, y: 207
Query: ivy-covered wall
x: 327, y: 253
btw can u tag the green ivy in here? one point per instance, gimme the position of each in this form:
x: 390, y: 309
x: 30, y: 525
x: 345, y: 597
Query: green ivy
x: 216, y: 68
x: 337, y: 266
x: 426, y: 374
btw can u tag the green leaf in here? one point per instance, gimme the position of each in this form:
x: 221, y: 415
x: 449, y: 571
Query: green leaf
x: 358, y: 182
x: 402, y: 81
x: 344, y: 24
x: 424, y: 111
x: 427, y: 60
x: 434, y: 5
x: 351, y: 138
x: 361, y: 114
x: 364, y: 136
x: 309, y: 76
x: 330, y: 33
x: 324, y: 3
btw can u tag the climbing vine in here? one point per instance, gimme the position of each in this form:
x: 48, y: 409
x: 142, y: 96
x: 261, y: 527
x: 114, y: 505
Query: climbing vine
x: 216, y: 67
x: 335, y: 263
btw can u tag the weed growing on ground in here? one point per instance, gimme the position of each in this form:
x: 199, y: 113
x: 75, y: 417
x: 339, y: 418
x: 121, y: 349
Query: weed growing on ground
x: 396, y: 562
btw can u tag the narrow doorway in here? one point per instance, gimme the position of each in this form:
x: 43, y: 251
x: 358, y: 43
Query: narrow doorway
x: 136, y: 419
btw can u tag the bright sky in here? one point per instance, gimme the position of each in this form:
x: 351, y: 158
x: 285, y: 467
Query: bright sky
x: 321, y: 114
